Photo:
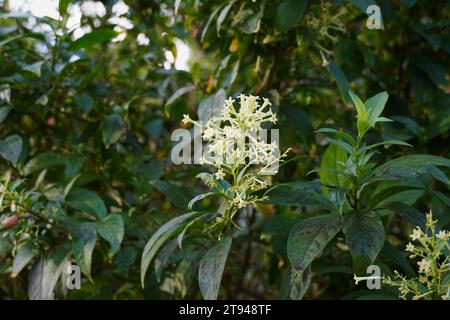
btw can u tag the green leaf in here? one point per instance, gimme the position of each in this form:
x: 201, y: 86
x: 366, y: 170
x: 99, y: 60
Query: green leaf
x: 210, y: 19
x: 211, y: 268
x: 164, y: 233
x: 295, y: 285
x: 4, y: 111
x: 308, y: 194
x: 85, y: 102
x: 211, y: 106
x: 10, y: 148
x: 387, y: 189
x: 113, y: 129
x: 86, y: 201
x: 83, y: 244
x: 177, y: 195
x: 340, y: 79
x: 112, y: 230
x: 43, y: 161
x: 375, y: 106
x: 308, y: 238
x: 24, y: 255
x: 413, y: 216
x: 252, y: 23
x: 62, y: 7
x: 198, y: 198
x: 342, y: 145
x: 330, y: 159
x: 362, y: 116
x: 95, y: 37
x: 415, y: 162
x: 46, y: 272
x: 289, y: 13
x: 178, y: 94
x: 339, y: 133
x: 222, y: 16
x: 38, y: 36
x: 163, y: 256
x: 364, y: 235
x: 385, y: 143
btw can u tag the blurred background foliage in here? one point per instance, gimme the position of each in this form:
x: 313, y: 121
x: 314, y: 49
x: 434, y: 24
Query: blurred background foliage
x: 89, y: 98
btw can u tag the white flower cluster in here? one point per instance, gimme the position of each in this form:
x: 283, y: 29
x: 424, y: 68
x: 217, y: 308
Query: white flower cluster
x: 430, y: 247
x: 238, y: 147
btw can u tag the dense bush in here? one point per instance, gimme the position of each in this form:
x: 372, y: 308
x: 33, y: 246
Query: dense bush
x: 85, y: 146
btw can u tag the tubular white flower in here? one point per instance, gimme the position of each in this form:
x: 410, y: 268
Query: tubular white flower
x: 233, y: 144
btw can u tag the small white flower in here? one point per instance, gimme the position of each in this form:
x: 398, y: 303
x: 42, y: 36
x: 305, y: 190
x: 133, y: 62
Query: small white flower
x: 220, y: 174
x: 186, y: 119
x: 417, y: 234
x: 410, y: 247
x: 442, y: 235
x: 424, y: 266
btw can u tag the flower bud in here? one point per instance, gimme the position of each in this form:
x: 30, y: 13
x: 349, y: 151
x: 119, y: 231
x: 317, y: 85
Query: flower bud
x: 10, y: 221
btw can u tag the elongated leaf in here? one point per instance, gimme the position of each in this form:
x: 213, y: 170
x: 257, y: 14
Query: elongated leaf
x: 95, y: 37
x: 87, y: 201
x: 340, y: 79
x: 112, y: 230
x: 375, y: 106
x: 343, y: 145
x: 298, y: 194
x: 222, y: 16
x: 330, y: 160
x: 413, y: 216
x: 44, y: 160
x: 46, y: 272
x: 211, y: 268
x: 198, y: 198
x: 10, y: 148
x: 364, y: 235
x: 309, y: 237
x: 178, y: 94
x: 339, y: 133
x: 412, y: 162
x: 164, y: 233
x: 385, y: 143
x: 62, y: 7
x: 23, y: 257
x: 210, y: 19
x: 83, y: 244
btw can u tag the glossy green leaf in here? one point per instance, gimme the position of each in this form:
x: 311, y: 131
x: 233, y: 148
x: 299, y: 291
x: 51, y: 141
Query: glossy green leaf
x: 46, y: 272
x: 112, y: 230
x: 364, y: 235
x: 161, y: 236
x: 289, y: 13
x: 83, y: 244
x: 87, y: 201
x: 95, y: 37
x: 308, y: 238
x: 113, y: 128
x: 10, y: 148
x: 211, y: 268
